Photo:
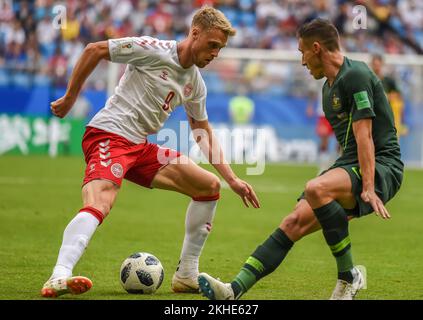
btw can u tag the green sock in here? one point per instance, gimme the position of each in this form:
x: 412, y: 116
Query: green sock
x: 334, y: 222
x: 263, y: 261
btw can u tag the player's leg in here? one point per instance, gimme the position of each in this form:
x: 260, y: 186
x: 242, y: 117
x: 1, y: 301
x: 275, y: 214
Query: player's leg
x: 268, y: 256
x: 101, y: 185
x: 329, y: 195
x: 98, y: 198
x: 184, y: 176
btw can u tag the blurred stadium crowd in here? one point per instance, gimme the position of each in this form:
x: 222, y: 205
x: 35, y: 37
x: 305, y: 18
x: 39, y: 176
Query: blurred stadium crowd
x: 32, y: 50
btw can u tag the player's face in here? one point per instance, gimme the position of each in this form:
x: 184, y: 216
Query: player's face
x: 311, y: 59
x: 207, y: 45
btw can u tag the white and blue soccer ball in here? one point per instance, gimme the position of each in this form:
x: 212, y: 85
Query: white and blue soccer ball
x: 141, y: 273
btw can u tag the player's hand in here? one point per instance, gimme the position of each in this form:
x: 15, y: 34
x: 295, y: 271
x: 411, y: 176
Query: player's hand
x: 246, y: 192
x: 61, y: 106
x: 377, y: 204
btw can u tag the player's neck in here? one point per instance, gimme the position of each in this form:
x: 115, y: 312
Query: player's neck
x: 184, y: 56
x: 332, y: 65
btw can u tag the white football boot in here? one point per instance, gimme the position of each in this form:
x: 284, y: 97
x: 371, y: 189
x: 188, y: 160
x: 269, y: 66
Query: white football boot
x: 347, y: 291
x: 184, y: 285
x: 59, y: 286
x: 214, y: 289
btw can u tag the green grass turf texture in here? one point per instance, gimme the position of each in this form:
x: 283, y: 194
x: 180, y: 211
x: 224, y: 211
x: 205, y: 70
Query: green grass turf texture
x: 39, y: 196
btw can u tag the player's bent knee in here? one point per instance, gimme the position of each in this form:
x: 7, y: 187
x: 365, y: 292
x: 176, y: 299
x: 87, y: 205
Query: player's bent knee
x: 209, y: 192
x: 314, y: 190
x: 215, y: 186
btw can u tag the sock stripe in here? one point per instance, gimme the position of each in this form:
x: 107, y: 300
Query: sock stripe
x: 255, y: 263
x: 95, y: 212
x: 207, y: 198
x: 252, y: 270
x: 336, y: 248
x: 343, y: 251
x: 247, y: 279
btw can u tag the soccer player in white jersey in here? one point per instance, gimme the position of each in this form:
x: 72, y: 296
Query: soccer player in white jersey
x: 160, y: 76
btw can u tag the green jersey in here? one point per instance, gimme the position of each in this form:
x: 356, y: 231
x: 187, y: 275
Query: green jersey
x: 357, y: 93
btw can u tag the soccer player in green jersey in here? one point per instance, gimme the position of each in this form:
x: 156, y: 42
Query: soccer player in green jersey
x: 362, y: 180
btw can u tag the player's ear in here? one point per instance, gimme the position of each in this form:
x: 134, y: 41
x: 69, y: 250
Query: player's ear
x: 316, y: 47
x: 195, y: 32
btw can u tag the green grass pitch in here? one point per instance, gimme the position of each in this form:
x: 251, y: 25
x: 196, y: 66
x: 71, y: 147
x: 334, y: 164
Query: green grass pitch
x: 39, y: 196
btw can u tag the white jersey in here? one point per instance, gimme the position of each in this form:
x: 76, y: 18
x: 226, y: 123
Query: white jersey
x: 153, y: 85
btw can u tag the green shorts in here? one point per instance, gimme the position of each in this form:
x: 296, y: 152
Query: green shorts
x: 388, y: 181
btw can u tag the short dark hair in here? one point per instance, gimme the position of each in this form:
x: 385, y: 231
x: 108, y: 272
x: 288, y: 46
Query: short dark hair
x: 320, y: 30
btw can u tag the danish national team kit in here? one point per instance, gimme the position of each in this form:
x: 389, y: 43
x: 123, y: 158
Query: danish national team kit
x: 115, y: 143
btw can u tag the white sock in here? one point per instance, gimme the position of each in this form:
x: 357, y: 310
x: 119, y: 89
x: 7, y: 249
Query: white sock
x: 75, y: 239
x: 198, y: 222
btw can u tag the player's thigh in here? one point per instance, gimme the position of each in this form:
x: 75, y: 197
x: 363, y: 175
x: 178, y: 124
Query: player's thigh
x: 100, y: 194
x: 300, y: 222
x: 184, y: 176
x: 334, y: 184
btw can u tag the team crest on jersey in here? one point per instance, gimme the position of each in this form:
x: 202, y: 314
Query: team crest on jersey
x: 336, y: 102
x: 126, y: 47
x: 188, y: 90
x: 117, y: 170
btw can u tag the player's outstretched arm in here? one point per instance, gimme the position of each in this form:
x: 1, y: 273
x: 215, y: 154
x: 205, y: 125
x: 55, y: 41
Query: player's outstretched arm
x: 91, y: 56
x: 210, y: 146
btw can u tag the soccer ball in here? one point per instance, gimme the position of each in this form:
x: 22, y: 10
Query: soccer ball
x: 141, y: 272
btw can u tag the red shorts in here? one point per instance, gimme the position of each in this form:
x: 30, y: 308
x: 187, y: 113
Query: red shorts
x: 111, y: 157
x: 323, y: 128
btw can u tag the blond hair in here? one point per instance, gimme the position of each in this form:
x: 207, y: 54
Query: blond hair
x: 208, y: 18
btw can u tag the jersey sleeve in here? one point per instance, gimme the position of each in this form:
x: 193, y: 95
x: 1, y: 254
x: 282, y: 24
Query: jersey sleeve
x: 359, y: 89
x: 196, y: 107
x: 133, y: 50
